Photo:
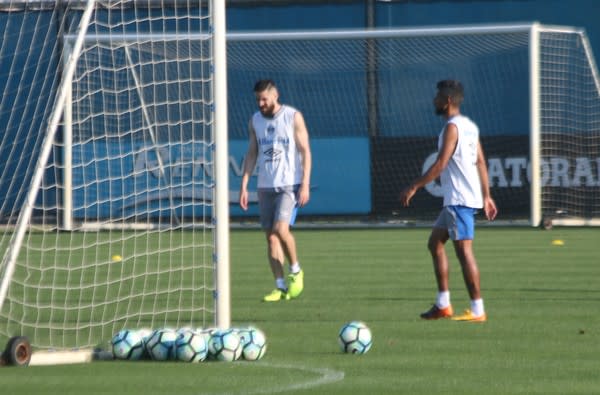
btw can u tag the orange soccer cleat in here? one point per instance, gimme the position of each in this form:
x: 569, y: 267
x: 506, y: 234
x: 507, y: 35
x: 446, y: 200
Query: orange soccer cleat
x: 435, y: 313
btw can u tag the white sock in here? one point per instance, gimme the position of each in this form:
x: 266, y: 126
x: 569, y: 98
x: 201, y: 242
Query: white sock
x: 295, y: 268
x: 280, y: 283
x: 477, y: 307
x: 443, y: 299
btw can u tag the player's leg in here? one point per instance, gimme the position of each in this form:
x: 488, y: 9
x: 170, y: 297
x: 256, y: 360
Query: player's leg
x: 285, y: 215
x: 470, y: 270
x: 436, y: 246
x: 281, y: 230
x: 275, y: 254
x: 442, y: 307
x: 462, y: 236
x: 288, y: 242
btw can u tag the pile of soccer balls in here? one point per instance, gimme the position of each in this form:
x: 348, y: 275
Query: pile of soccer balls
x: 189, y: 345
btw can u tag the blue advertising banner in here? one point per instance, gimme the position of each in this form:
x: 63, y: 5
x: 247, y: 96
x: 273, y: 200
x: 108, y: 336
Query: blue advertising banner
x: 340, y: 182
x: 128, y: 180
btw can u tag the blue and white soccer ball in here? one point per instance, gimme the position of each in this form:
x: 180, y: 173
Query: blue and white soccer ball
x: 145, y: 333
x: 161, y: 344
x: 185, y: 329
x: 190, y: 347
x: 127, y: 344
x: 205, y: 332
x: 254, y: 343
x: 355, y: 338
x: 225, y: 345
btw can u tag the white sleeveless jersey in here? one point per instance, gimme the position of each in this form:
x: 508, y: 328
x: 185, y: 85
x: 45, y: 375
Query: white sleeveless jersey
x: 460, y: 179
x: 279, y: 163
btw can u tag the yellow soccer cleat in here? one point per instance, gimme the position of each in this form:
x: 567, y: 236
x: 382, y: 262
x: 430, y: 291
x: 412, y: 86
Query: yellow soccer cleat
x: 276, y: 295
x: 469, y: 317
x: 296, y: 284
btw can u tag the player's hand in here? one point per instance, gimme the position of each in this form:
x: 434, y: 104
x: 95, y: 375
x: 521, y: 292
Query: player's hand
x: 406, y: 195
x: 303, y: 195
x: 244, y: 199
x: 490, y: 209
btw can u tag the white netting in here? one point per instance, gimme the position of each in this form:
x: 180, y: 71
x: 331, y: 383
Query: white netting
x: 379, y: 86
x: 570, y: 127
x: 121, y: 232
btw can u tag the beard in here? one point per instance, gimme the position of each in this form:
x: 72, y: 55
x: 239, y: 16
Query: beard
x: 441, y: 111
x: 268, y: 111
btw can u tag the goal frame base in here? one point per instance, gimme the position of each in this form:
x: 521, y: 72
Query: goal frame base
x: 68, y: 357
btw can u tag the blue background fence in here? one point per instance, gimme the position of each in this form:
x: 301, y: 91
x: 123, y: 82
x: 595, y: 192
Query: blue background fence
x: 355, y: 182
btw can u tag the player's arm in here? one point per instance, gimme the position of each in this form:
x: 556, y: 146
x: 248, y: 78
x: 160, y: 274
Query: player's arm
x: 249, y: 164
x: 303, y: 146
x: 450, y: 139
x: 489, y: 206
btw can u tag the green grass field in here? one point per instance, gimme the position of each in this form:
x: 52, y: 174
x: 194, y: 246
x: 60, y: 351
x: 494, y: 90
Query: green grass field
x: 542, y: 334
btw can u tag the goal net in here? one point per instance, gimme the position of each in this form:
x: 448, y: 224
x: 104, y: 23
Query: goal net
x: 113, y: 185
x: 112, y: 147
x: 532, y: 89
x: 569, y: 129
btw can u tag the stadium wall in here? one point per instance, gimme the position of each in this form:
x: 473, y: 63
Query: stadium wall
x: 361, y: 193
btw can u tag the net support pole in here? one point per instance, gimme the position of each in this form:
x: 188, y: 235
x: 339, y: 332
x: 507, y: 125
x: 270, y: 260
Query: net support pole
x: 67, y: 187
x: 12, y: 252
x: 221, y: 207
x: 534, y: 126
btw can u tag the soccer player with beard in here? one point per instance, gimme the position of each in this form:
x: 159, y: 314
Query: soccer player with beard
x: 279, y: 148
x: 462, y: 169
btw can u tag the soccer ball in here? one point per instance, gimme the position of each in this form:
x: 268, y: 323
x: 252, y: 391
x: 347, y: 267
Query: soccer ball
x: 127, y: 344
x: 355, y: 338
x: 190, y: 347
x: 225, y: 345
x: 254, y: 343
x: 161, y: 344
x: 145, y: 333
x: 205, y: 333
x: 185, y: 329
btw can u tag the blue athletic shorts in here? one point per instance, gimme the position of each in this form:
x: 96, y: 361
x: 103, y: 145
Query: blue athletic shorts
x: 459, y: 221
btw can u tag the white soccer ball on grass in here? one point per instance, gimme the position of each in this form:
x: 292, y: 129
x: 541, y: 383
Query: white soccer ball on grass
x: 190, y: 347
x: 355, y: 338
x: 225, y: 345
x: 254, y: 343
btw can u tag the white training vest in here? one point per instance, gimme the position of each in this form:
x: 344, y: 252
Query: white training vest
x: 279, y: 163
x: 460, y: 179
